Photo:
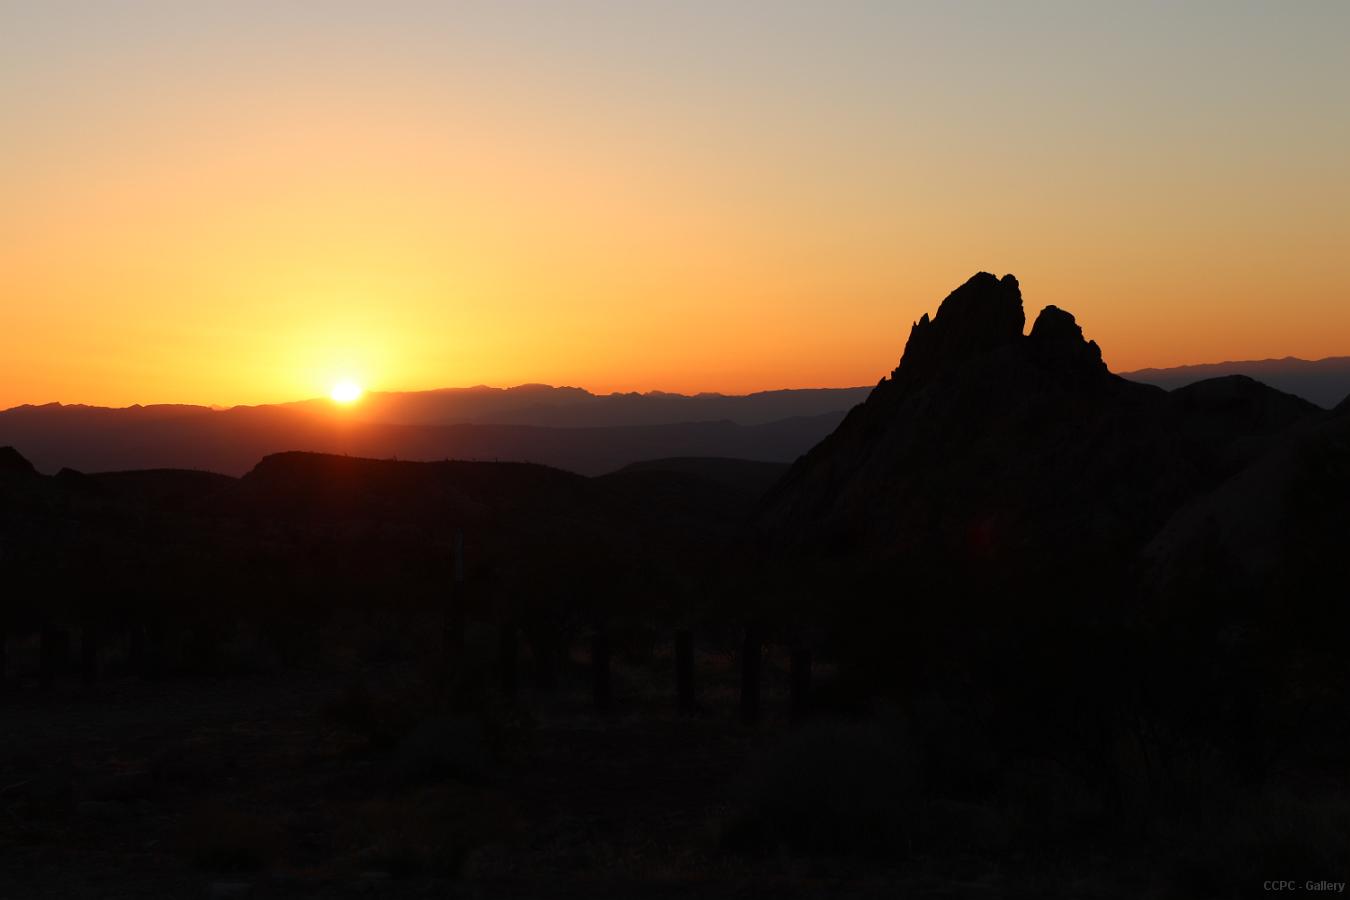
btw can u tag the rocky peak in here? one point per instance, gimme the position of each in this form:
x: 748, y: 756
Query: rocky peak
x: 1057, y: 340
x: 981, y: 315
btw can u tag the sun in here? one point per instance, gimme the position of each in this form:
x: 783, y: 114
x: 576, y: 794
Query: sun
x: 346, y: 391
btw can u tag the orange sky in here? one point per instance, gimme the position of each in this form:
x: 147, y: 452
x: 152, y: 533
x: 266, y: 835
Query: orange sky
x: 244, y: 205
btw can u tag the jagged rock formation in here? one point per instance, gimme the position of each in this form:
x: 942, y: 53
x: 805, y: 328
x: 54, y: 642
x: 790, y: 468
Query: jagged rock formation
x: 1022, y: 450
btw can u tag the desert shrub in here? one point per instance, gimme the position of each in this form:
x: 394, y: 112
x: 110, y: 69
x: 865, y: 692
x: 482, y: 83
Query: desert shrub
x: 834, y: 787
x: 1159, y: 774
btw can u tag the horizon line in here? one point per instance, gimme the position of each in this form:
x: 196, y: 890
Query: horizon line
x: 217, y: 407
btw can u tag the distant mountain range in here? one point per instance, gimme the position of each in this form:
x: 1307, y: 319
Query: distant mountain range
x: 1325, y: 382
x: 542, y: 405
x: 564, y: 427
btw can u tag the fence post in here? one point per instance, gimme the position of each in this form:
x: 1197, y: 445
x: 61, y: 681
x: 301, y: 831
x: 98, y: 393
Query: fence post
x: 684, y: 670
x: 600, y: 669
x: 751, y: 660
x: 801, y: 680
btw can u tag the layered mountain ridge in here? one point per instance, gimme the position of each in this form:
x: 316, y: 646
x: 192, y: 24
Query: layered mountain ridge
x: 1325, y: 382
x: 564, y: 427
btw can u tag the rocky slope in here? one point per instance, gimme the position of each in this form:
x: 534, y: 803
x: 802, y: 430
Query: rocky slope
x: 1019, y: 450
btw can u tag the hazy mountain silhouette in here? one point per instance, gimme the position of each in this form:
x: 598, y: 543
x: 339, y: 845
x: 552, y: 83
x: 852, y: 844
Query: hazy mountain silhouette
x: 571, y: 407
x: 1323, y: 381
x: 231, y: 441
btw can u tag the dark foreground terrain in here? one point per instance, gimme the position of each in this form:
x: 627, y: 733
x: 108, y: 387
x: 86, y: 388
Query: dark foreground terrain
x: 1017, y: 627
x: 356, y: 783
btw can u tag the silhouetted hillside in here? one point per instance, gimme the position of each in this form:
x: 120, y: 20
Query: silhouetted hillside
x: 1016, y: 450
x: 750, y: 476
x: 1323, y: 381
x: 231, y: 441
x: 14, y: 465
x: 326, y: 529
x: 1276, y: 529
x: 1046, y: 564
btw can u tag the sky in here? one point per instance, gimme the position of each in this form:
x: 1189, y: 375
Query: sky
x: 245, y: 202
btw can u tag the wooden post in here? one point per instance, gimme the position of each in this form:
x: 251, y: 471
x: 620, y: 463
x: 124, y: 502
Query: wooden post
x: 508, y: 655
x: 600, y: 670
x: 751, y: 660
x: 684, y: 670
x: 801, y: 680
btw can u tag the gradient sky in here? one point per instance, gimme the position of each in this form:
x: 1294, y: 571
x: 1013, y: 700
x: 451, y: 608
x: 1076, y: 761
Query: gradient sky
x: 242, y: 202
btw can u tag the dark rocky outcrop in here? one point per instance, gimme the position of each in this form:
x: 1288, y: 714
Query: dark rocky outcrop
x: 1057, y: 341
x: 1277, y: 528
x: 980, y: 316
x: 1017, y: 452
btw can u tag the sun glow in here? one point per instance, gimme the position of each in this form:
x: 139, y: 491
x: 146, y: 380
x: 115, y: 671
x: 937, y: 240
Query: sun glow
x: 346, y: 391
